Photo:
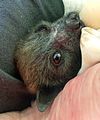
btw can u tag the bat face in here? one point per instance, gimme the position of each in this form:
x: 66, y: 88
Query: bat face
x: 50, y: 56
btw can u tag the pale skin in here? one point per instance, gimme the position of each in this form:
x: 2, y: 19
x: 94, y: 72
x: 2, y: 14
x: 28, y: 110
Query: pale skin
x: 82, y: 98
x: 82, y: 93
x: 89, y: 11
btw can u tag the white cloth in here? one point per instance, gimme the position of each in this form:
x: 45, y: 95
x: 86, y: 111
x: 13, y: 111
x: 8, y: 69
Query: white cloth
x: 89, y: 11
x: 90, y: 47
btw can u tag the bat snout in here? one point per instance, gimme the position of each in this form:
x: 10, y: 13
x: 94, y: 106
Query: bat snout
x: 73, y: 21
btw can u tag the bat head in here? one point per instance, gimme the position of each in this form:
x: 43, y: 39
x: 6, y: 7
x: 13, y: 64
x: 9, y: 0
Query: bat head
x: 50, y: 56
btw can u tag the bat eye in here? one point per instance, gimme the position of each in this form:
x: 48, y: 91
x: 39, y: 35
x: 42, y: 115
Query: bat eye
x: 57, y: 58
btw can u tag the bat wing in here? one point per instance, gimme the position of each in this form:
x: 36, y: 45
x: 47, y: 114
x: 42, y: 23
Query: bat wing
x: 13, y: 94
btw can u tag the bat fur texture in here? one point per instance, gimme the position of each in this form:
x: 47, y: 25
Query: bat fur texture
x: 50, y: 56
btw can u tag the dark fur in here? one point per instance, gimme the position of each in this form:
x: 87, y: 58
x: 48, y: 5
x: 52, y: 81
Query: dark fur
x: 34, y: 53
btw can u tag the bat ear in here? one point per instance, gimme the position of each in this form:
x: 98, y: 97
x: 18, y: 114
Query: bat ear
x: 45, y: 97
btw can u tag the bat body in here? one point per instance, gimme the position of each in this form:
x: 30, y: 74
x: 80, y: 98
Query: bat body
x: 17, y: 18
x: 50, y: 56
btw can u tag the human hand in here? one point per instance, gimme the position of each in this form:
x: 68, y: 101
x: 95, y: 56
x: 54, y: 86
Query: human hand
x: 79, y: 100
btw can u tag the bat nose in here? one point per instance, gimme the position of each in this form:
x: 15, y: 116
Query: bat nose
x: 73, y: 16
x: 73, y: 21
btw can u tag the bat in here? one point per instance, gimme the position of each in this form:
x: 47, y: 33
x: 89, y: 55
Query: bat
x: 49, y: 57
